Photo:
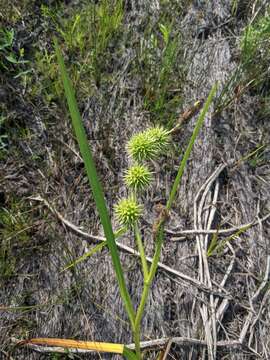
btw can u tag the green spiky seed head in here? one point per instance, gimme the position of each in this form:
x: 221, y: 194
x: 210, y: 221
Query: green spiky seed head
x: 160, y: 136
x: 142, y: 147
x: 128, y: 211
x: 149, y: 144
x: 138, y: 177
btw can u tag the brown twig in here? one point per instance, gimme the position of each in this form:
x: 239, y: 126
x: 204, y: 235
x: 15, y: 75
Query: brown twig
x: 214, y: 231
x: 94, y: 238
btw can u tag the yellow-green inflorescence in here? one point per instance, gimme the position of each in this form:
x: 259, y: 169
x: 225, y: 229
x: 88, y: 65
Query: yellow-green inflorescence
x: 138, y: 177
x: 142, y: 147
x: 161, y: 137
x: 149, y: 144
x: 128, y: 211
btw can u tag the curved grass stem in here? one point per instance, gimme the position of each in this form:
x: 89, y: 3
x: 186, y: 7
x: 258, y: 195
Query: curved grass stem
x: 146, y: 288
x: 190, y: 146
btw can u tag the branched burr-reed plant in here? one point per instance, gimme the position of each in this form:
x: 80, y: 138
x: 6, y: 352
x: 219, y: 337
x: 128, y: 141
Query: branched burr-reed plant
x: 141, y: 148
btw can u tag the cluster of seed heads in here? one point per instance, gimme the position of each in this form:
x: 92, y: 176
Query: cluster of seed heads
x: 142, y: 147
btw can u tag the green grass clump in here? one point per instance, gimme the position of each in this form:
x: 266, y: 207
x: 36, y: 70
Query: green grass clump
x: 157, y: 62
x: 15, y: 224
x: 255, y: 52
x: 87, y: 33
x: 13, y: 11
x: 253, y: 72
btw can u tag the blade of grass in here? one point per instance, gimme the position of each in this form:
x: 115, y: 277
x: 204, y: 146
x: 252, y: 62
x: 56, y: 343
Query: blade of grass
x: 141, y: 251
x: 223, y: 243
x: 213, y: 244
x: 94, y: 183
x: 190, y: 146
x: 89, y: 253
x: 102, y: 347
x: 94, y: 250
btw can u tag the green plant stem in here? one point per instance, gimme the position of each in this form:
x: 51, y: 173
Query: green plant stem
x: 190, y: 146
x: 149, y: 280
x: 136, y: 337
x: 141, y: 251
x: 147, y: 284
x: 129, y: 354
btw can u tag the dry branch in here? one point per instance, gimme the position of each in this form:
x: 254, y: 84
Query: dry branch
x: 94, y: 238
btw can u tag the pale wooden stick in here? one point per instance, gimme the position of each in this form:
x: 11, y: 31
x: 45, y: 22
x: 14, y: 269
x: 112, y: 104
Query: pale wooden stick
x: 127, y: 249
x: 213, y: 231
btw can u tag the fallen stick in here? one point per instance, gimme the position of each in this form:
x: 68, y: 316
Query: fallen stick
x: 129, y: 250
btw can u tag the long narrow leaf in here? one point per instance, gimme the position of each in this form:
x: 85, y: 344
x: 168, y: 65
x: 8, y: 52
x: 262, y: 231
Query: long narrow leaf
x: 94, y: 183
x: 190, y: 146
x: 89, y: 253
x: 93, y: 251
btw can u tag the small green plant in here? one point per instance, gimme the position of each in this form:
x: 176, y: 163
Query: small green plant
x: 252, y: 73
x: 255, y: 51
x: 256, y: 157
x: 46, y: 65
x: 158, y: 54
x: 8, y: 57
x: 14, y: 233
x: 234, y: 7
x: 128, y: 210
x: 216, y: 247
